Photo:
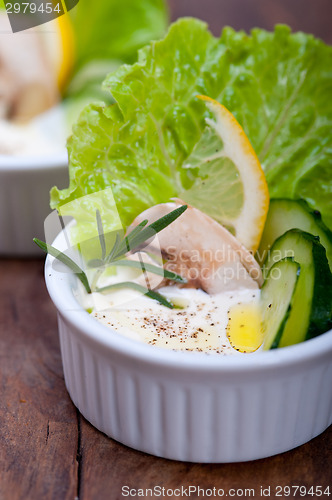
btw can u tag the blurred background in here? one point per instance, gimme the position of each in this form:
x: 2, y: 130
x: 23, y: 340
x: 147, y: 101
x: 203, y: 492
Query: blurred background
x: 311, y: 16
x: 49, y: 72
x: 112, y: 32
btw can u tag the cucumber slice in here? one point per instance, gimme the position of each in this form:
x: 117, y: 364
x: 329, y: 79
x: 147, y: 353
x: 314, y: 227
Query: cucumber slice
x: 312, y: 303
x: 277, y: 297
x: 293, y: 214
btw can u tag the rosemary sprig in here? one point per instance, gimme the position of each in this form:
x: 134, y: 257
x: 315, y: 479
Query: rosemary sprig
x: 101, y: 235
x: 115, y: 248
x: 148, y: 232
x: 126, y: 244
x: 135, y: 286
x: 65, y: 260
x: 160, y: 271
x: 136, y: 238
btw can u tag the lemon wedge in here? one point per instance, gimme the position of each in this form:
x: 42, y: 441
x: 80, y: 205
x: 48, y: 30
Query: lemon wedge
x: 230, y: 186
x: 58, y: 40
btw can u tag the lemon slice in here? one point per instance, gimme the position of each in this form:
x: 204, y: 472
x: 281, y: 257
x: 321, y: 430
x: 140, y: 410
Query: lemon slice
x: 58, y: 40
x: 230, y: 186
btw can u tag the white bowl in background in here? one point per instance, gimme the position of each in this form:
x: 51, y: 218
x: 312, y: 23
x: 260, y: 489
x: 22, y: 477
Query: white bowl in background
x: 190, y: 406
x: 25, y: 183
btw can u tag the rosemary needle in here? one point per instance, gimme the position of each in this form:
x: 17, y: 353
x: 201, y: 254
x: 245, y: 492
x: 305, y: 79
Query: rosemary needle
x: 134, y: 239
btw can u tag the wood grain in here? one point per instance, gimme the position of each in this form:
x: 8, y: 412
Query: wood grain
x: 38, y: 433
x: 108, y: 466
x: 47, y: 450
x: 47, y: 453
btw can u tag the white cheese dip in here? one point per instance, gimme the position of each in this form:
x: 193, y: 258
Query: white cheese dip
x: 200, y: 325
x: 19, y: 140
x: 44, y: 135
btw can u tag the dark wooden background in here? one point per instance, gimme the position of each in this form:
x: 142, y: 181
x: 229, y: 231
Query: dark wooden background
x: 311, y: 16
x: 47, y: 450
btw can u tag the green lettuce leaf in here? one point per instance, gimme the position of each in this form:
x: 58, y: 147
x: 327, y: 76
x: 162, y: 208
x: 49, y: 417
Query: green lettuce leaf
x: 113, y: 29
x: 108, y: 35
x: 278, y: 85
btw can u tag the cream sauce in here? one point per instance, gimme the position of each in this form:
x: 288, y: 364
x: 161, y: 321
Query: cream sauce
x: 200, y: 325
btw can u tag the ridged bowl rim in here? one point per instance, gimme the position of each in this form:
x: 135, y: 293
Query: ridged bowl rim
x: 61, y: 285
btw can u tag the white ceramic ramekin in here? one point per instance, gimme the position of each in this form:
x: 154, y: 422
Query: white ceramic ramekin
x: 191, y: 406
x: 25, y: 183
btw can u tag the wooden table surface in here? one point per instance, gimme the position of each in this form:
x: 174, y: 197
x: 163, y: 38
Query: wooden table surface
x: 47, y: 449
